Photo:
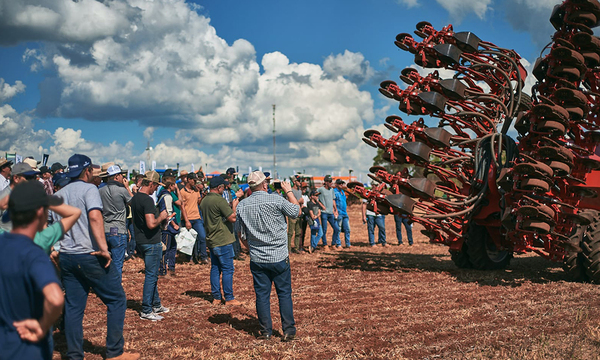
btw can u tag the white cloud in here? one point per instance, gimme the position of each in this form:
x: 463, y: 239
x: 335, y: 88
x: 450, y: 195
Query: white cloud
x: 7, y: 91
x: 350, y: 65
x: 62, y: 20
x: 458, y: 9
x: 17, y: 133
x: 149, y: 132
x: 409, y: 3
x: 162, y: 64
x: 532, y: 16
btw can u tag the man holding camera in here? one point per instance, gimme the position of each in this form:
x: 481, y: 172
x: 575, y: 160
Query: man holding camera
x: 263, y: 230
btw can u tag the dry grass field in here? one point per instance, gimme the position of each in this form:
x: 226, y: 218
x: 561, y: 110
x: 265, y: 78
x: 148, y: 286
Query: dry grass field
x: 395, y: 302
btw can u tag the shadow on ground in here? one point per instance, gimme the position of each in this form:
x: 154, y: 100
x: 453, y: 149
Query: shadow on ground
x: 60, y: 345
x: 533, y: 269
x: 249, y: 325
x: 199, y: 294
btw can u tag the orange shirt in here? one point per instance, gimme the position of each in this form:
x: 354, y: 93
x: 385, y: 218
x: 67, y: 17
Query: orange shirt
x: 190, y: 201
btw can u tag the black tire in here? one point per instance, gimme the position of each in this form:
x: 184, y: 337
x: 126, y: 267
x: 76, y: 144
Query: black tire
x: 590, y: 246
x: 461, y: 258
x: 482, y: 250
x: 573, y: 261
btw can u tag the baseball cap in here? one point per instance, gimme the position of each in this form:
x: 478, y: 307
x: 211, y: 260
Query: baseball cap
x: 327, y: 178
x: 340, y: 182
x: 77, y: 163
x: 60, y: 179
x: 256, y: 178
x: 30, y: 195
x: 152, y: 176
x: 192, y: 176
x: 169, y: 173
x: 113, y: 170
x: 23, y: 169
x: 44, y: 169
x: 231, y: 171
x: 217, y: 181
x: 314, y: 192
x: 56, y: 167
x: 4, y: 162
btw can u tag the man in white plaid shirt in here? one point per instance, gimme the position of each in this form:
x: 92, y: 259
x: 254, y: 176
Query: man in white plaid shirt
x: 261, y: 221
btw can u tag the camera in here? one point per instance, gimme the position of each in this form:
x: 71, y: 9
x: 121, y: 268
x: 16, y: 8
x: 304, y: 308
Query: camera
x: 277, y: 185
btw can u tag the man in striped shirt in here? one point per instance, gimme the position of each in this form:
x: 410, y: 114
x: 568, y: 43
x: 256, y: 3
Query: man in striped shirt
x: 263, y: 230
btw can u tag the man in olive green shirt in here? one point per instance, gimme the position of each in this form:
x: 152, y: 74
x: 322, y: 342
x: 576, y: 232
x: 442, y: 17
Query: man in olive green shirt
x: 218, y: 223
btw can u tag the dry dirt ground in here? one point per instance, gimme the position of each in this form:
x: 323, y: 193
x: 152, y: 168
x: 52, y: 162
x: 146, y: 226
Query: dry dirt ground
x: 395, y: 302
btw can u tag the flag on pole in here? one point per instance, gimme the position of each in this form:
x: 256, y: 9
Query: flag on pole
x: 153, y: 165
x: 18, y: 159
x: 193, y: 168
x: 45, y: 160
x: 142, y: 167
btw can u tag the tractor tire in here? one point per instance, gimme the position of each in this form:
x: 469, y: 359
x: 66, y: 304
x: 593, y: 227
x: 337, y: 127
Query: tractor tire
x: 590, y: 246
x: 482, y: 250
x: 585, y: 265
x: 573, y: 261
x: 461, y: 258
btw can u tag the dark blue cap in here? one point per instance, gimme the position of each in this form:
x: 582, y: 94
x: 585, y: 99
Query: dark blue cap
x: 60, y: 179
x: 77, y: 163
x: 217, y: 181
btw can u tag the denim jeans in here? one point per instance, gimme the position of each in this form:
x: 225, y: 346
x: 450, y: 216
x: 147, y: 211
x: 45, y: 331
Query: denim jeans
x: 117, y: 245
x: 237, y: 247
x: 265, y: 274
x: 380, y: 222
x: 199, y: 252
x: 168, y: 256
x: 80, y: 273
x: 344, y: 225
x: 221, y: 258
x: 152, y: 253
x: 315, y: 236
x: 335, y: 239
x: 399, y: 221
x: 131, y: 243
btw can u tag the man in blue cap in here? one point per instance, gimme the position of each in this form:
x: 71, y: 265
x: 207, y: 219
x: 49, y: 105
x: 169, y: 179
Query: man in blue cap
x: 85, y: 264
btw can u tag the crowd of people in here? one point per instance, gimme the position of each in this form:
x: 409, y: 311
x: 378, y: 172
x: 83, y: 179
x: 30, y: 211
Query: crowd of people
x: 87, y: 220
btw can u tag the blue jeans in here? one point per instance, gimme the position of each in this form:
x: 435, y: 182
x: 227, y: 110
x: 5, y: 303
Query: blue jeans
x: 380, y: 222
x: 152, y: 253
x: 80, y: 273
x: 344, y: 225
x: 221, y: 258
x: 399, y: 221
x: 131, y: 243
x: 265, y: 274
x: 335, y: 239
x: 237, y: 247
x: 168, y: 258
x: 315, y: 235
x: 117, y: 245
x: 199, y: 252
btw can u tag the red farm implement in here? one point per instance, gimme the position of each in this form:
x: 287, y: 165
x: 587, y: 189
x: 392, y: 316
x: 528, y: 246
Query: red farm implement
x: 484, y: 194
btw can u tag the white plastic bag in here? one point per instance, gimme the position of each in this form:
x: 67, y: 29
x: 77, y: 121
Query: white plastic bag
x: 186, y: 240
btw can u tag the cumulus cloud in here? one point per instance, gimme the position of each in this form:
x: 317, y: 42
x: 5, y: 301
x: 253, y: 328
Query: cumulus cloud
x: 62, y: 20
x: 18, y: 135
x: 532, y: 16
x: 458, y: 9
x: 7, y: 91
x: 162, y: 64
x: 350, y: 65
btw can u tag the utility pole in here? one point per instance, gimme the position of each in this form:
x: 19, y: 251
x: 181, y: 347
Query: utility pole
x: 148, y: 149
x: 274, y: 158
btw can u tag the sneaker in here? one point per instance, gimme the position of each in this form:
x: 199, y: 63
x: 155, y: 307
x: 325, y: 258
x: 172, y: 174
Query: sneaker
x: 161, y: 310
x: 126, y: 356
x: 204, y: 262
x: 151, y: 316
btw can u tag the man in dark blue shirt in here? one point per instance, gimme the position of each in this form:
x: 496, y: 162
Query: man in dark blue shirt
x: 30, y: 298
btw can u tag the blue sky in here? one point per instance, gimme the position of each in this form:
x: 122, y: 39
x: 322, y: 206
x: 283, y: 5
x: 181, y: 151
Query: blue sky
x: 198, y: 78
